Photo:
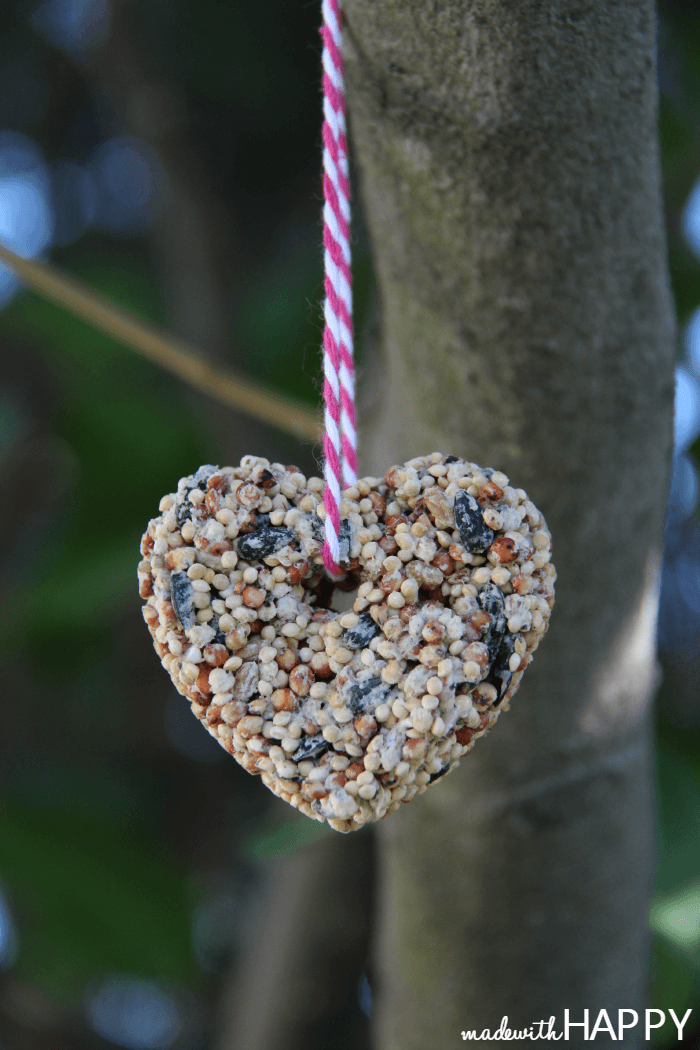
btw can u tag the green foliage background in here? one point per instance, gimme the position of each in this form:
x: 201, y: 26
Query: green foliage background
x: 113, y: 838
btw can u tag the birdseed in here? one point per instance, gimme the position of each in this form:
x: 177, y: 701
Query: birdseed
x: 347, y: 715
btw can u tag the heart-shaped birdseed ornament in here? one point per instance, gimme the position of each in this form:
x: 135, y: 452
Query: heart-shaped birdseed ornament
x: 346, y: 714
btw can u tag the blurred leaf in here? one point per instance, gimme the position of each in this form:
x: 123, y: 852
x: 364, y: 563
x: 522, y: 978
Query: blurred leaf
x: 91, y: 900
x: 83, y: 589
x: 679, y: 805
x: 674, y: 985
x: 270, y: 844
x: 676, y: 916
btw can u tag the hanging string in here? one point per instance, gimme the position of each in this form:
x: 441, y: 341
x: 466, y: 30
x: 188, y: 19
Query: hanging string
x: 340, y: 440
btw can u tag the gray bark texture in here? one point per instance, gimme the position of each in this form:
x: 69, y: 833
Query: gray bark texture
x: 509, y: 169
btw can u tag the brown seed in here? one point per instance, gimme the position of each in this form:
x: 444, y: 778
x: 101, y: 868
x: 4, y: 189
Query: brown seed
x: 391, y: 581
x: 393, y: 521
x: 284, y: 700
x: 297, y: 572
x: 444, y: 562
x: 146, y: 587
x: 353, y: 771
x: 203, y: 680
x: 221, y: 547
x: 237, y: 637
x: 414, y: 749
x: 218, y: 482
x: 338, y: 779
x: 378, y: 503
x: 490, y: 491
x: 213, y: 502
x: 479, y: 619
x: 388, y: 545
x: 464, y: 736
x: 248, y: 495
x: 434, y: 594
x: 248, y: 523
x: 365, y: 726
x: 301, y: 679
x: 287, y: 659
x: 392, y: 477
x: 478, y: 652
x: 320, y: 665
x: 253, y: 597
x: 407, y: 612
x: 256, y: 626
x: 503, y: 550
x: 215, y: 655
x: 434, y: 632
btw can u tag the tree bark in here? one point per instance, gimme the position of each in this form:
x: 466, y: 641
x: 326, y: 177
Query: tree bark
x: 509, y: 170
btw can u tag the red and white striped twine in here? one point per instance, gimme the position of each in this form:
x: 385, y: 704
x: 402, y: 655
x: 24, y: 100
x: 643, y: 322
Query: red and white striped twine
x: 339, y: 443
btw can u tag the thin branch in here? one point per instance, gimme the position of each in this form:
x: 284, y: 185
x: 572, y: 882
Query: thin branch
x: 165, y: 350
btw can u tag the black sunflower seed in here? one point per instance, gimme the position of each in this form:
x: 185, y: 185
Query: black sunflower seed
x: 264, y: 541
x: 359, y: 636
x: 500, y: 673
x: 366, y: 696
x: 219, y: 636
x: 182, y: 597
x: 491, y: 601
x: 344, y: 541
x: 184, y: 513
x: 317, y: 526
x: 310, y: 747
x: 474, y: 533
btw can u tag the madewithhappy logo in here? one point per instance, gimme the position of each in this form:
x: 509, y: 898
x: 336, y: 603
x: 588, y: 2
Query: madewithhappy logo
x: 626, y: 1020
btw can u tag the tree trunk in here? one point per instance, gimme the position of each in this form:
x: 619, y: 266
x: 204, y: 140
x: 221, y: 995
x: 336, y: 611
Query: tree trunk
x: 509, y: 168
